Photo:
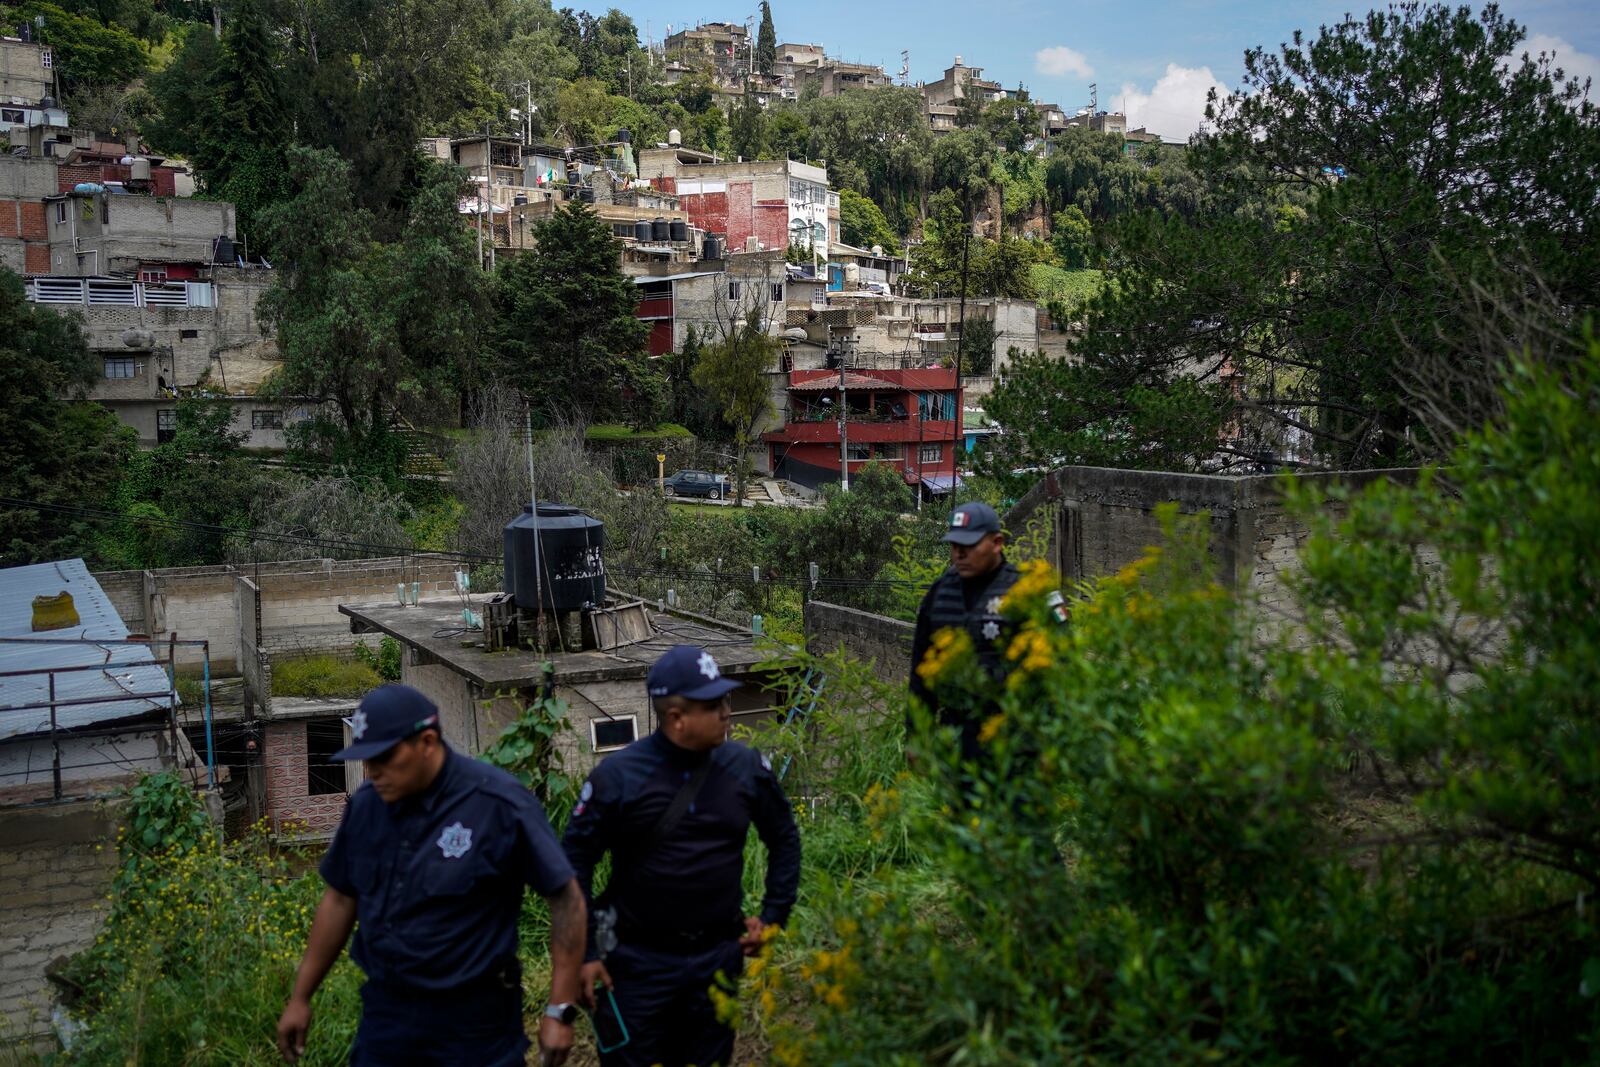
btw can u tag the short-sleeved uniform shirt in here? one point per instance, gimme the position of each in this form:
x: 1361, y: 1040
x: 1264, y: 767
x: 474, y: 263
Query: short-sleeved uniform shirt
x: 438, y: 878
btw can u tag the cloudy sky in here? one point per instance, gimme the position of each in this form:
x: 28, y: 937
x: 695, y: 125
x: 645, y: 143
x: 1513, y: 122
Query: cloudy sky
x: 1155, y: 59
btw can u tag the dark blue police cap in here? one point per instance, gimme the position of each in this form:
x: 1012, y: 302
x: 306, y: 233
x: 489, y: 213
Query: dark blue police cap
x: 688, y: 671
x: 387, y: 716
x: 971, y: 523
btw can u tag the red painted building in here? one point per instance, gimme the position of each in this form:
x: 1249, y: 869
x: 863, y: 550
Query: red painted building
x: 909, y: 419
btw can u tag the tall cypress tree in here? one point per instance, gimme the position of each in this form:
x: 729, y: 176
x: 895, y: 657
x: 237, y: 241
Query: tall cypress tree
x: 766, y: 41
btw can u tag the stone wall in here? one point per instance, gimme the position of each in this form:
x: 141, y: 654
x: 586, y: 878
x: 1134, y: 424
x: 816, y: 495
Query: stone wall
x: 882, y: 641
x: 56, y: 866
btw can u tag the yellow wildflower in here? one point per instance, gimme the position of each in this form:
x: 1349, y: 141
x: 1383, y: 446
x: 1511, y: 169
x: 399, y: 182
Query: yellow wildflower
x: 991, y: 727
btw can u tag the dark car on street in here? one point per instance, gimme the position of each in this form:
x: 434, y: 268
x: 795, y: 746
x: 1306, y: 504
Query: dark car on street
x: 696, y: 483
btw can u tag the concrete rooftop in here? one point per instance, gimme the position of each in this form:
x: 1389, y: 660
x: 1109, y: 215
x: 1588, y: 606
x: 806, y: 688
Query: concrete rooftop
x: 434, y: 629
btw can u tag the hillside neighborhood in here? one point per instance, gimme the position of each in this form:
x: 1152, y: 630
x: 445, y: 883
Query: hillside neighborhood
x: 496, y: 349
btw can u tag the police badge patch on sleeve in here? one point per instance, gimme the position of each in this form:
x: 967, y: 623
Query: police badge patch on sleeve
x: 454, y: 841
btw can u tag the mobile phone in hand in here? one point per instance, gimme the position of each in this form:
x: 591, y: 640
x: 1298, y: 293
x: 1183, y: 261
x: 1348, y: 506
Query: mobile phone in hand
x: 610, y: 1032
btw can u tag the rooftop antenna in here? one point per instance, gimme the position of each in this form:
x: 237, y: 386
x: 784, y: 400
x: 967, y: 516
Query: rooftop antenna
x: 905, y: 66
x: 1094, y: 99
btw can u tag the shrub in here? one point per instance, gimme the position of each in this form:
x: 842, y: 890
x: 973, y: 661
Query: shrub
x: 323, y: 676
x: 199, y: 948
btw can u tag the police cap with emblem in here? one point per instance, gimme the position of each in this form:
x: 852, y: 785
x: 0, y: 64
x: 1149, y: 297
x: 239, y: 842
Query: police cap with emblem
x: 690, y: 672
x: 387, y: 716
x: 971, y: 523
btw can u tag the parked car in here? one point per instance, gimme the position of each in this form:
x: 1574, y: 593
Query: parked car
x: 696, y: 483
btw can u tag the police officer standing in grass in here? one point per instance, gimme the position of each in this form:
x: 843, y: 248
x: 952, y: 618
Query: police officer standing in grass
x: 429, y: 866
x: 674, y: 809
x: 967, y: 597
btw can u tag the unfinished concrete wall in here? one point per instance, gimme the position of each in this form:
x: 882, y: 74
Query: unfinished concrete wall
x: 299, y: 602
x: 1090, y: 522
x: 56, y: 866
x: 458, y: 709
x: 883, y: 642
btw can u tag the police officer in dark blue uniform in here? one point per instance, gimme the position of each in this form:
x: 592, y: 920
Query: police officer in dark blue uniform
x: 431, y: 860
x: 674, y: 809
x: 967, y: 597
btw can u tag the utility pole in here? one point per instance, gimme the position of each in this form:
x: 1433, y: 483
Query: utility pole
x: 481, y: 192
x: 961, y: 342
x: 844, y: 421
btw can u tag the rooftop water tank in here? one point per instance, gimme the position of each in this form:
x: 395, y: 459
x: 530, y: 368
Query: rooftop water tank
x: 139, y: 169
x: 641, y: 231
x: 679, y: 230
x: 710, y: 248
x: 571, y: 569
x: 659, y: 230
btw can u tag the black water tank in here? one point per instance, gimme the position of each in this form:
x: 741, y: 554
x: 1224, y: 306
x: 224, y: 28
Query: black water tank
x: 679, y: 230
x: 641, y: 231
x: 223, y: 253
x: 710, y: 248
x: 659, y: 230
x: 571, y: 566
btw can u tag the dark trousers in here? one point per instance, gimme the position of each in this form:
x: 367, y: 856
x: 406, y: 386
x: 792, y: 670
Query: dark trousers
x: 665, y: 1003
x: 480, y: 1026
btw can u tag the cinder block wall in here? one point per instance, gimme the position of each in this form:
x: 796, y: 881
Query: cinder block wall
x: 884, y: 642
x: 53, y: 880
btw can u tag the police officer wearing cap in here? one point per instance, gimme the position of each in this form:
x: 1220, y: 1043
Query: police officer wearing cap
x: 428, y: 866
x: 967, y: 597
x: 674, y: 809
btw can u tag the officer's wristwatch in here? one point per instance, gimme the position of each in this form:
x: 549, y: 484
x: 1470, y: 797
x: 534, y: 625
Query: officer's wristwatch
x: 565, y: 1014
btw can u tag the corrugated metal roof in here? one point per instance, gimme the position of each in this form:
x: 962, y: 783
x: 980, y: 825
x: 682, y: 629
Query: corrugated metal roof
x: 126, y: 669
x: 830, y: 384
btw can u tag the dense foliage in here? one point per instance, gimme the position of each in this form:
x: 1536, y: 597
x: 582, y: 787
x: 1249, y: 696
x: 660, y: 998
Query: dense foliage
x: 55, y: 448
x: 1359, y: 195
x: 1195, y: 835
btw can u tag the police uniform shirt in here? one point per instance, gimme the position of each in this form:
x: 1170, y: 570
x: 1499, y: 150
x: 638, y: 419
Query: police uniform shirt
x: 438, y: 877
x: 687, y: 893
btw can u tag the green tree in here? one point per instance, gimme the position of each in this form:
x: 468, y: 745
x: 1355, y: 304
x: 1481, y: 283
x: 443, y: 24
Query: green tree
x: 87, y: 52
x: 365, y: 325
x: 733, y: 372
x: 1072, y: 237
x: 222, y: 107
x: 766, y: 41
x: 187, y: 501
x: 747, y: 127
x: 566, y: 329
x: 861, y: 223
x: 1321, y: 314
x: 56, y: 448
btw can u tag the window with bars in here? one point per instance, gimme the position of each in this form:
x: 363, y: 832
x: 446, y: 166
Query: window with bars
x: 931, y: 453
x: 777, y: 292
x: 266, y: 419
x: 859, y: 451
x: 733, y: 290
x: 119, y: 366
x: 166, y: 425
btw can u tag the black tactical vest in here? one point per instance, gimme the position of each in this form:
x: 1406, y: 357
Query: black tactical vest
x: 984, y: 623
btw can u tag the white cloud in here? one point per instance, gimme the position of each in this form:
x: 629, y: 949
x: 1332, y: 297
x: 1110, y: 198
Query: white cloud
x: 1175, y: 106
x: 1574, y: 63
x: 1059, y: 61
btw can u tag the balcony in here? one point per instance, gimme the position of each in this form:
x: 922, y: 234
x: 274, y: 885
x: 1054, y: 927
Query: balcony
x: 114, y: 292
